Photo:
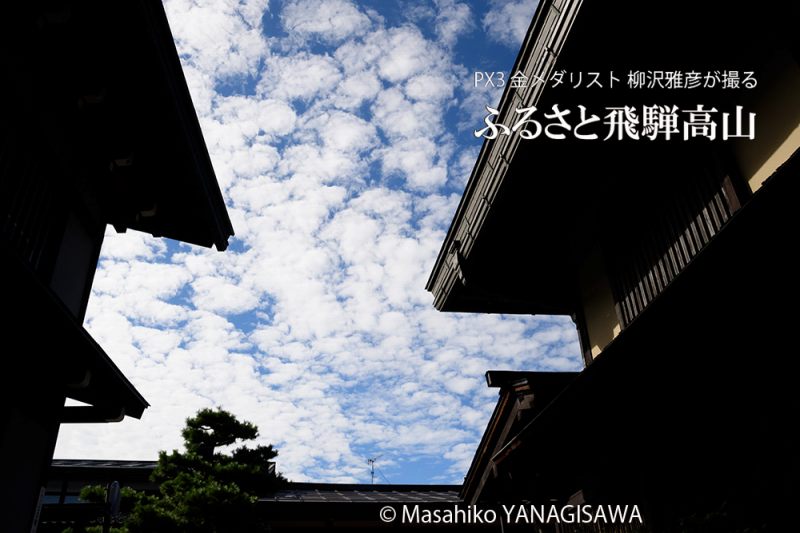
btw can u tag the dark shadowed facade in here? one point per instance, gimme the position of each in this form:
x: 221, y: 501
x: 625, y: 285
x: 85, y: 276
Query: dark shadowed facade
x: 673, y: 257
x: 98, y: 129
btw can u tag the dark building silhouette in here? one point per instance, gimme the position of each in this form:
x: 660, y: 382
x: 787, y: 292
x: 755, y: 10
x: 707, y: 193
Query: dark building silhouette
x: 97, y: 128
x: 673, y: 257
x: 296, y: 507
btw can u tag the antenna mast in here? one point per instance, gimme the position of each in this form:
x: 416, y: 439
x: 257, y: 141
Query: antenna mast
x: 371, y: 462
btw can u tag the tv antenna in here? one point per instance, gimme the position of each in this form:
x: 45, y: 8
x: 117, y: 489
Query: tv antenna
x: 371, y: 462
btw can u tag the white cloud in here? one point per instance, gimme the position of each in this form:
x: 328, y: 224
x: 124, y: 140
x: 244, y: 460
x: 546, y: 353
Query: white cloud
x: 417, y: 160
x: 134, y: 246
x: 507, y: 21
x: 407, y: 53
x: 452, y: 20
x: 309, y: 165
x: 463, y: 166
x: 355, y: 89
x: 430, y: 87
x: 329, y: 20
x: 344, y: 132
x: 461, y: 454
x: 399, y: 117
x: 218, y: 295
x: 251, y: 117
x: 218, y: 37
x: 300, y: 76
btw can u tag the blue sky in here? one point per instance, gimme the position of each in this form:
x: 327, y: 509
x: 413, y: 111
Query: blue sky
x: 341, y: 135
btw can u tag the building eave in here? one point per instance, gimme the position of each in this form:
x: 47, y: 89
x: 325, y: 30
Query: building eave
x: 522, y: 396
x: 540, y: 49
x: 132, y: 121
x: 64, y: 357
x: 220, y: 228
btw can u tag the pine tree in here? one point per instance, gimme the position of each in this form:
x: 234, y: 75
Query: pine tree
x: 204, y: 489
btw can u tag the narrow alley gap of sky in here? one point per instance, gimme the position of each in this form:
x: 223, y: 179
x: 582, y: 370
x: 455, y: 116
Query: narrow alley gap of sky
x: 341, y: 135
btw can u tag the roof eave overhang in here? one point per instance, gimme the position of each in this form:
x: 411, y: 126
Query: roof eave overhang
x: 519, y: 392
x: 543, y: 42
x: 60, y: 353
x: 220, y: 228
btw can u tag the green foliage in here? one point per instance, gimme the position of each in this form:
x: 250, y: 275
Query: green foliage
x: 97, y: 494
x: 210, y: 429
x: 129, y: 499
x: 93, y: 529
x: 202, y: 490
x: 93, y: 494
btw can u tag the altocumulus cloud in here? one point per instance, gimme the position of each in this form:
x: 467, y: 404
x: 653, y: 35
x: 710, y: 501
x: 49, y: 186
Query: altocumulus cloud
x: 335, y: 131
